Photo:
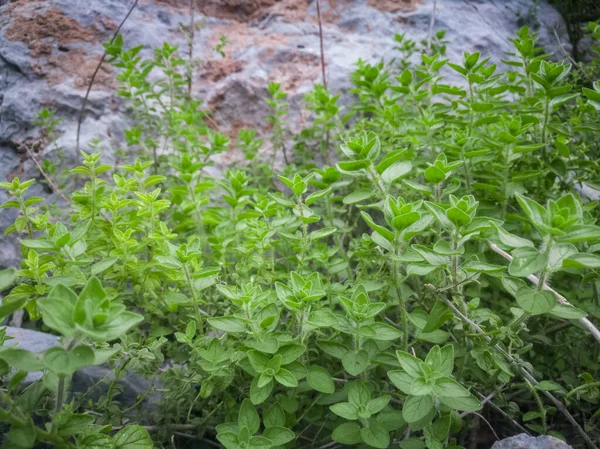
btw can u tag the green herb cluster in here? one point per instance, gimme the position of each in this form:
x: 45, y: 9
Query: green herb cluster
x: 419, y: 259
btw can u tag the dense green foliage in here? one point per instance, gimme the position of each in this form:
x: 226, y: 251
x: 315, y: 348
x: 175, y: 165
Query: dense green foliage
x: 356, y: 298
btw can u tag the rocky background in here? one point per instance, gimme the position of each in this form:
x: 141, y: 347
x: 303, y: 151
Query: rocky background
x: 50, y: 48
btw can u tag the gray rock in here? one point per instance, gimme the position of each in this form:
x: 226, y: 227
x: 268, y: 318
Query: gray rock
x: 92, y: 380
x: 524, y: 441
x: 50, y: 48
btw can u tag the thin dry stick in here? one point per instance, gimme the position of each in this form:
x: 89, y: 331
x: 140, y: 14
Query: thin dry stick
x: 562, y: 47
x: 526, y: 374
x: 488, y: 423
x: 191, y: 49
x: 87, y: 94
x: 327, y: 150
x: 321, y: 43
x: 431, y: 24
x: 45, y: 175
x: 561, y: 299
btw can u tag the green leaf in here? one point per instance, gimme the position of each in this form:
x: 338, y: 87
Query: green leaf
x: 582, y: 260
x: 350, y: 166
x: 21, y: 359
x: 133, y: 437
x: 558, y: 254
x: 409, y: 363
x: 96, y: 441
x: 228, y: 439
x: 446, y: 361
x: 115, y: 326
x: 248, y: 417
x: 317, y: 195
x: 258, y: 360
x: 392, y: 421
x: 66, y: 362
x: 103, y: 265
x: 229, y: 323
x: 402, y: 380
x: 290, y: 353
x: 355, y: 362
x: 536, y: 303
x: 321, y: 233
x: 375, y: 435
x: 376, y: 405
x: 412, y: 443
x: 463, y: 403
x: 9, y: 307
x: 582, y: 233
x: 358, y: 195
x: 416, y: 408
x: 260, y: 443
x: 274, y: 416
x: 567, y: 312
x: 437, y: 317
x: 345, y: 410
x: 258, y: 395
x: 320, y: 380
x: 286, y: 378
x: 58, y: 310
x: 72, y: 424
x: 7, y: 278
x: 526, y: 261
x: 21, y: 436
x: 447, y: 387
x: 534, y: 211
x: 385, y: 233
x: 548, y: 385
x: 279, y: 435
x: 395, y: 171
x: 347, y: 433
x: 385, y: 332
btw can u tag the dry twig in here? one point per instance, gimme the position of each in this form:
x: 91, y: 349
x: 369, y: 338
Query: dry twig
x: 561, y: 299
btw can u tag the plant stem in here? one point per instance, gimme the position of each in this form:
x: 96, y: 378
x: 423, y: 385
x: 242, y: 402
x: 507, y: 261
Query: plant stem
x: 538, y: 400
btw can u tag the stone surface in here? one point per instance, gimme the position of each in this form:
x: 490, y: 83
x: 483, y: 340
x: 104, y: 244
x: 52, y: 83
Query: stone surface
x: 50, y: 48
x: 524, y: 441
x: 87, y: 378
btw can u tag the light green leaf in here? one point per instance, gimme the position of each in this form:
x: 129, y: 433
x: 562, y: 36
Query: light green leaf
x: 358, y: 195
x: 274, y: 416
x: 248, y: 417
x: 286, y: 378
x: 582, y: 260
x: 536, y: 303
x: 347, y: 433
x: 526, y: 261
x: 416, y: 408
x: 402, y: 380
x: 7, y: 278
x: 395, y: 171
x: 133, y: 437
x: 355, y: 362
x: 558, y: 254
x: 568, y: 312
x: 376, y: 405
x: 66, y: 362
x: 320, y: 380
x: 447, y: 387
x: 463, y: 403
x: 258, y: 395
x: 58, y: 310
x: 409, y: 363
x: 21, y: 359
x: 375, y: 435
x: 279, y: 435
x: 229, y: 323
